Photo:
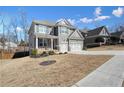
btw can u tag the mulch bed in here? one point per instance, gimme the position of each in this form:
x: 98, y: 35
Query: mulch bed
x: 49, y: 62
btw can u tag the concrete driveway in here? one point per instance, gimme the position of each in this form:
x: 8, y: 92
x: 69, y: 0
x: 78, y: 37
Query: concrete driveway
x: 110, y: 74
x: 110, y: 52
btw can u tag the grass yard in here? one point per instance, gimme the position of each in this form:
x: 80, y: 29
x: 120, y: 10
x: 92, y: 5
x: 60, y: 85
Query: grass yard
x: 68, y: 69
x: 110, y: 47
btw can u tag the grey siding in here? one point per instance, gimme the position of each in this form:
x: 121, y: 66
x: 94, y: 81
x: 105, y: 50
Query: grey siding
x: 63, y: 42
x: 49, y: 29
x: 60, y: 32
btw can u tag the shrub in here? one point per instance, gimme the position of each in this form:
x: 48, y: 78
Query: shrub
x: 60, y: 53
x: 65, y: 52
x: 51, y: 52
x: 34, y: 52
x: 45, y: 53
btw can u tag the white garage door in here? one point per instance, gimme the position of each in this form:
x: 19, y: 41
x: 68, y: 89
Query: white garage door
x: 76, y: 45
x: 63, y: 47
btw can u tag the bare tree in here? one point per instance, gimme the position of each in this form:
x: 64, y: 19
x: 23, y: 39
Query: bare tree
x: 0, y: 18
x: 3, y: 40
x: 14, y: 24
x: 24, y: 25
x: 118, y: 27
x: 8, y: 28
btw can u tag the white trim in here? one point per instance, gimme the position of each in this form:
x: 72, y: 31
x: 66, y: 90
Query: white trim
x: 36, y: 43
x: 105, y: 32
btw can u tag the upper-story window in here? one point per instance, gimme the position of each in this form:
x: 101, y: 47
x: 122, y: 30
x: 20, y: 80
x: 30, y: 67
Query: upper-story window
x: 64, y: 30
x: 42, y: 29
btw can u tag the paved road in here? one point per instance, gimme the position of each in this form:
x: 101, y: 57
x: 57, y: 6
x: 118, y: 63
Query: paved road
x: 110, y: 74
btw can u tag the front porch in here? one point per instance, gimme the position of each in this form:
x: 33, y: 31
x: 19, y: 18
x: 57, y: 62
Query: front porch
x: 46, y: 43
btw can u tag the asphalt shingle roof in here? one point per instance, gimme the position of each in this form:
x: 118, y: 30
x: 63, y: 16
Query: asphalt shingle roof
x: 118, y: 33
x: 95, y: 31
x: 48, y: 23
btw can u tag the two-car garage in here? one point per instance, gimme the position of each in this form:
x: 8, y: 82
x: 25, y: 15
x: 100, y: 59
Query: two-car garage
x: 73, y: 45
x: 74, y: 42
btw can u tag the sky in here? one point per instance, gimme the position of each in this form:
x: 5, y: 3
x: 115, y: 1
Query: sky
x: 80, y: 16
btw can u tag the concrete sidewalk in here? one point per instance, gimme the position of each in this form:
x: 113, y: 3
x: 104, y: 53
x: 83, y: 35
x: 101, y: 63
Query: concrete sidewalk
x: 112, y: 52
x: 110, y: 74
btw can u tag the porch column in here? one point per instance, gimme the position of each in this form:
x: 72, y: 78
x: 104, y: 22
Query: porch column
x: 43, y: 42
x: 52, y: 44
x: 36, y: 43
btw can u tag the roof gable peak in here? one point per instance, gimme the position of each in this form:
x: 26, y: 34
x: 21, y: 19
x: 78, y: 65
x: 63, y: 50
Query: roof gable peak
x: 64, y: 22
x: 75, y: 34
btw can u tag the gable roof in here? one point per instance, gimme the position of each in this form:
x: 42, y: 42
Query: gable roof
x: 83, y: 32
x: 96, y: 31
x: 118, y: 33
x: 67, y: 23
x: 78, y: 32
x: 45, y: 22
x: 50, y: 23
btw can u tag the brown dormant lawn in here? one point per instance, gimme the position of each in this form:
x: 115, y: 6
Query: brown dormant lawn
x: 110, y: 47
x: 68, y: 69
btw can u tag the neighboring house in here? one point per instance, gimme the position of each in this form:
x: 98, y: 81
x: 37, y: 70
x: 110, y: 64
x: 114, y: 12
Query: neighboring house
x: 61, y: 36
x: 119, y: 35
x: 5, y: 44
x: 8, y: 45
x: 98, y: 35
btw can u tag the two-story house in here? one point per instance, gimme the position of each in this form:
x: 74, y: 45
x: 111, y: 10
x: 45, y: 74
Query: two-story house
x: 97, y: 35
x: 61, y: 36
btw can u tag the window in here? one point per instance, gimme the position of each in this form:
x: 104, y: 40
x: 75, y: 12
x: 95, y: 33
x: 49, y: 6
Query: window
x: 40, y: 42
x: 42, y: 29
x: 64, y: 30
